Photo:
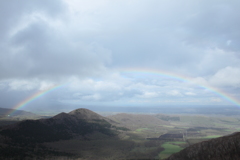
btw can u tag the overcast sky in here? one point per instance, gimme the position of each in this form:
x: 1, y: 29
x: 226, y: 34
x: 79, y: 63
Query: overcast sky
x: 111, y: 52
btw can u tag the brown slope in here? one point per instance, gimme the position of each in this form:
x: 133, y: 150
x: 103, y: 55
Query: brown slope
x: 223, y: 148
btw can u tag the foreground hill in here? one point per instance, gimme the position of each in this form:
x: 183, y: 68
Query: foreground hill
x: 27, y: 139
x: 223, y: 148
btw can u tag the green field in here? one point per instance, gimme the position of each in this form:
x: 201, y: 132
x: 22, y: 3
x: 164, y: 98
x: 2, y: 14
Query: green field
x: 177, y: 142
x: 141, y: 129
x: 170, y: 148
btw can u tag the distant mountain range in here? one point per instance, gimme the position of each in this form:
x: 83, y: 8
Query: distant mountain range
x: 223, y: 148
x: 4, y: 113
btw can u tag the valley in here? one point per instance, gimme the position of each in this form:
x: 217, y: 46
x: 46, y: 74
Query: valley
x: 83, y: 134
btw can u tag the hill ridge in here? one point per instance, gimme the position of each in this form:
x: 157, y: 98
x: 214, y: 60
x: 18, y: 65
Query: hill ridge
x: 83, y: 113
x: 222, y: 148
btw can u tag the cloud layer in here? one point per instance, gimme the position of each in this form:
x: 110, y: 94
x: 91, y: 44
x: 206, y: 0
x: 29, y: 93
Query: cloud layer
x: 89, y: 46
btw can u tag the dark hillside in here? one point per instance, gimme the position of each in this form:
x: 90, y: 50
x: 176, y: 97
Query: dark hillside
x: 60, y: 127
x: 223, y: 148
x: 26, y: 139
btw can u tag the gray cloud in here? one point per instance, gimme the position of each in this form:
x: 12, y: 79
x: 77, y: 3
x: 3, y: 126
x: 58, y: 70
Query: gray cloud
x: 216, y: 25
x: 41, y: 50
x: 12, y: 12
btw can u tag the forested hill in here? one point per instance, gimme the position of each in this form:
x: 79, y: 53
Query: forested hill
x: 223, y: 148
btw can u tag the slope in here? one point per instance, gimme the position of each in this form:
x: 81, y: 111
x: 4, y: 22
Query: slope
x: 223, y: 148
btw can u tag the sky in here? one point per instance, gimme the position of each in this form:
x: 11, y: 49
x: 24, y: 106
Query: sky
x: 119, y: 53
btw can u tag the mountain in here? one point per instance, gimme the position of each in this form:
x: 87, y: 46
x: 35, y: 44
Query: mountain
x: 28, y: 139
x: 79, y: 134
x: 80, y: 122
x: 87, y: 114
x: 223, y: 148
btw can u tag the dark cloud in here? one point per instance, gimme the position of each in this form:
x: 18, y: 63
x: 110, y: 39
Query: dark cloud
x: 46, y: 53
x: 12, y: 12
x: 40, y: 50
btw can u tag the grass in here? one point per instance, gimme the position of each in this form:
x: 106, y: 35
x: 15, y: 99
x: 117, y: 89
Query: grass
x: 141, y: 129
x: 169, y: 149
x: 178, y: 142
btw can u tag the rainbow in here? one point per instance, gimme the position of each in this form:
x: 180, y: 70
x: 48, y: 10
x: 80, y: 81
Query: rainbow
x: 216, y: 91
x: 33, y: 97
x: 179, y: 77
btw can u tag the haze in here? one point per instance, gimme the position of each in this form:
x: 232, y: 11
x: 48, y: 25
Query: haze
x: 119, y: 53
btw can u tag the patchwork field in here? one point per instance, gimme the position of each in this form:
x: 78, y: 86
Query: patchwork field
x: 194, y: 129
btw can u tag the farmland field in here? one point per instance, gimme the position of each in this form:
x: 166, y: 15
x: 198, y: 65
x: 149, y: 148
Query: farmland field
x: 193, y: 128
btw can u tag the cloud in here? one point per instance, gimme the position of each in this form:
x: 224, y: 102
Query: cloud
x: 214, y: 25
x: 216, y: 100
x: 190, y: 93
x: 86, y: 44
x: 174, y: 93
x: 40, y: 49
x: 93, y: 97
x: 13, y: 12
x: 148, y: 95
x: 22, y: 85
x: 44, y: 54
x: 226, y: 77
x: 215, y: 59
